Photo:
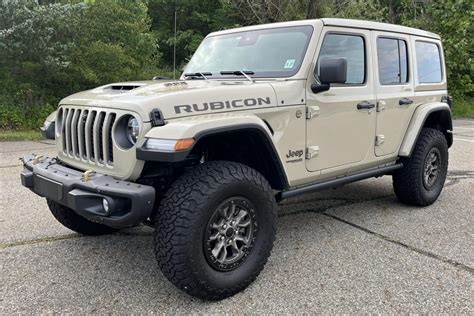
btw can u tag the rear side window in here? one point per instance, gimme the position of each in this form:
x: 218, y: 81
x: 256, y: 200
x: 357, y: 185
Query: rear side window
x: 428, y: 62
x: 392, y: 60
x: 350, y: 47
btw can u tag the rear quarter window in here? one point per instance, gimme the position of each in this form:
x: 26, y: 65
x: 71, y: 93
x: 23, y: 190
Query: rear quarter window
x: 428, y: 62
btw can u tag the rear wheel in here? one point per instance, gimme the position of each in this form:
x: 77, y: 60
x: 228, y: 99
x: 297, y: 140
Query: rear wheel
x: 75, y: 222
x: 422, y: 177
x: 215, y: 229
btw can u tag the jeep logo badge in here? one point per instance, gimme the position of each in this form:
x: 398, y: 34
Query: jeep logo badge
x: 294, y: 156
x: 294, y: 153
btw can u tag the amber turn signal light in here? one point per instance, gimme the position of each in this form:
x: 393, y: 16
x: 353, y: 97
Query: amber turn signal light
x: 183, y: 144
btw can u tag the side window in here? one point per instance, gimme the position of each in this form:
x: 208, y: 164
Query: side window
x: 392, y: 61
x: 428, y: 62
x: 350, y: 47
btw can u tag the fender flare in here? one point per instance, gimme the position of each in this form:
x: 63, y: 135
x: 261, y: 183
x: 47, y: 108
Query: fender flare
x: 192, y: 127
x: 417, y: 122
x: 48, y: 130
x: 199, y: 128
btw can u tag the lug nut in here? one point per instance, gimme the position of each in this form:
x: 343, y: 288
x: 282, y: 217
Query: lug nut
x: 222, y: 238
x: 233, y: 223
x: 225, y: 226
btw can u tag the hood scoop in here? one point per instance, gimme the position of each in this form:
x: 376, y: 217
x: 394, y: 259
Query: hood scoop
x: 123, y: 87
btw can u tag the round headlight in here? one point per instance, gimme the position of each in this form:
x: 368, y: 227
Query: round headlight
x: 133, y: 130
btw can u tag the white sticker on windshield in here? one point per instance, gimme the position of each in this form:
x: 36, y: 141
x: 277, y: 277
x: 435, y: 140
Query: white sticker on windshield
x: 289, y: 63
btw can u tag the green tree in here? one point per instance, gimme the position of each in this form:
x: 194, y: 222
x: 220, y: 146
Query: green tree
x: 52, y: 50
x: 452, y: 20
x: 35, y: 45
x: 114, y: 44
x: 372, y: 10
x: 195, y: 19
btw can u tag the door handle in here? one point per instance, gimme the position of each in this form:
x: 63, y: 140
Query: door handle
x: 365, y: 105
x: 405, y: 101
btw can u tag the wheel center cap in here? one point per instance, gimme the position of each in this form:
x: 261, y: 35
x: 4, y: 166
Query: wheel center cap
x: 229, y: 232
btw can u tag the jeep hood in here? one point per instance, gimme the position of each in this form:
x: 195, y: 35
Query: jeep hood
x: 178, y: 98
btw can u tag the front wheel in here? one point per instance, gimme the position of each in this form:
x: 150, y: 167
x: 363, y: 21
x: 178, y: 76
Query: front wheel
x: 422, y: 177
x: 215, y: 229
x: 70, y: 219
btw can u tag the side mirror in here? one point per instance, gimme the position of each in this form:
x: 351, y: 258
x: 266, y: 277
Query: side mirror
x: 333, y: 70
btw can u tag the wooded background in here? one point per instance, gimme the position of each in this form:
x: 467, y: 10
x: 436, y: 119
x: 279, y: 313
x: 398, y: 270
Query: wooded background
x: 50, y: 49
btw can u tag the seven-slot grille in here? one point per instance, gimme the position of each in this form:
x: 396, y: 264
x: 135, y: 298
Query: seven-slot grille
x: 87, y: 134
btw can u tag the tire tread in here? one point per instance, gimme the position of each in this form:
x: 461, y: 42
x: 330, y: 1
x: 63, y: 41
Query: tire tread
x: 178, y: 212
x: 77, y: 223
x: 407, y: 183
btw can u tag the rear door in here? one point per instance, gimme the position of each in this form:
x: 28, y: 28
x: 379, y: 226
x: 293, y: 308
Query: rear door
x: 394, y: 86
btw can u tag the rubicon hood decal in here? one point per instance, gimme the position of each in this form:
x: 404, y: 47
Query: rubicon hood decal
x: 220, y: 105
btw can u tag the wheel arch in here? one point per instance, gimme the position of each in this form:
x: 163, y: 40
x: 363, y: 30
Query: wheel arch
x: 249, y: 144
x: 244, y: 138
x: 435, y: 115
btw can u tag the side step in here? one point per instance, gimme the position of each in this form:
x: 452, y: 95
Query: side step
x: 338, y: 181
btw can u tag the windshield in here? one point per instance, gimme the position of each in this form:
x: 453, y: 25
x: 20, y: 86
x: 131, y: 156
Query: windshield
x: 276, y: 52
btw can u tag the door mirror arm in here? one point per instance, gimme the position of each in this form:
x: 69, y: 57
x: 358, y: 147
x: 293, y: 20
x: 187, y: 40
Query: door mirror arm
x: 317, y: 88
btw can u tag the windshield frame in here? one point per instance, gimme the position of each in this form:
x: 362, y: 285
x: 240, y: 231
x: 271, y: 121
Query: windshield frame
x: 308, y: 29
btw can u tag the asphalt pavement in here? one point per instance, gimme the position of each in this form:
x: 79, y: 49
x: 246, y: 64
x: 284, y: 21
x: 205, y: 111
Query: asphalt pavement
x: 355, y: 249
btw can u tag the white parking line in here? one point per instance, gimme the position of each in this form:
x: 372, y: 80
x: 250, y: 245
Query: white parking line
x: 464, y: 140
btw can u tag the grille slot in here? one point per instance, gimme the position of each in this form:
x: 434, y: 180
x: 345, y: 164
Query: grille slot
x: 110, y: 145
x: 68, y: 131
x: 63, y: 128
x: 75, y: 139
x: 100, y: 136
x: 81, y: 130
x: 87, y: 135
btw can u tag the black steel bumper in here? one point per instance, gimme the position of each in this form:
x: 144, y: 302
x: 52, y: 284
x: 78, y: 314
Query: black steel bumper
x: 129, y: 203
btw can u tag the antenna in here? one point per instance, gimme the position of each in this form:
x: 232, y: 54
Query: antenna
x: 174, y: 44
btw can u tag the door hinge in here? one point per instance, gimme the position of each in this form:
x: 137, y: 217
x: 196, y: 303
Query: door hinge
x: 379, y: 140
x: 312, y: 152
x: 312, y: 111
x: 381, y: 106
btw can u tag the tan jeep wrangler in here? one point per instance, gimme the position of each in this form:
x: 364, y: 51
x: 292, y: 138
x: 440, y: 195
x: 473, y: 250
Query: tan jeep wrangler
x: 260, y: 114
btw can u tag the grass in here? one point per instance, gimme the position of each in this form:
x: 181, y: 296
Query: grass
x: 8, y: 135
x: 463, y: 108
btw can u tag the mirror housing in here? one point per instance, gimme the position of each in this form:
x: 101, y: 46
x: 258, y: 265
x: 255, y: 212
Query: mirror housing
x: 333, y: 70
x: 317, y: 88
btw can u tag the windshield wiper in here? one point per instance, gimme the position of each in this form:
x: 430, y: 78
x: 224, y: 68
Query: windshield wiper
x: 244, y: 73
x: 198, y: 74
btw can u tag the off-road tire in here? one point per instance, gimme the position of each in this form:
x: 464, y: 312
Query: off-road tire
x: 75, y: 222
x: 408, y: 182
x: 183, y: 218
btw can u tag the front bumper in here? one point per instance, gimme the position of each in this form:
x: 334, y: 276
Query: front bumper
x: 129, y: 203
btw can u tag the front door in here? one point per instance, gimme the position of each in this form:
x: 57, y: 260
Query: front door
x: 341, y: 129
x: 395, y: 92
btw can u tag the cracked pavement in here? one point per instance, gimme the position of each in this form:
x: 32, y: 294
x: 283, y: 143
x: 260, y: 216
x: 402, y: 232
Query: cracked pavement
x: 354, y: 249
